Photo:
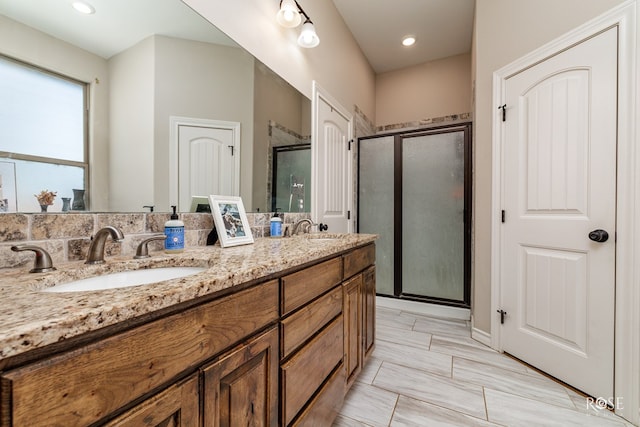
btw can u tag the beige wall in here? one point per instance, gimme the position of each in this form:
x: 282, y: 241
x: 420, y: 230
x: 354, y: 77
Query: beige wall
x: 26, y: 44
x: 205, y: 81
x: 337, y: 64
x: 162, y: 77
x: 131, y: 148
x: 506, y: 30
x: 433, y: 89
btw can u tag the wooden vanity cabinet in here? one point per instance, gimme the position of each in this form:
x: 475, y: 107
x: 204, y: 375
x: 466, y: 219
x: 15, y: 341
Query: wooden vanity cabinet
x: 85, y: 385
x: 279, y: 353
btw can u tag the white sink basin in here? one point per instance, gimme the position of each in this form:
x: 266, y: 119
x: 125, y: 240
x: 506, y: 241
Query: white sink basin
x: 125, y: 279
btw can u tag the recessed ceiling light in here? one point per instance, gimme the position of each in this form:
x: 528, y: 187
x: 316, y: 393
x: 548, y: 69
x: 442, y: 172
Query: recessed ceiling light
x: 408, y: 41
x: 83, y: 7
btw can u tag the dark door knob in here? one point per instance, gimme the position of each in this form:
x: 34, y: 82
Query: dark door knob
x: 599, y: 236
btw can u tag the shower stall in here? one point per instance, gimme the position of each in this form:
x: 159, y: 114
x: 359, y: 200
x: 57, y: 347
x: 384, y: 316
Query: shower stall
x: 414, y: 191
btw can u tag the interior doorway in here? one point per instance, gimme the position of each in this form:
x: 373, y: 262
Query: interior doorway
x: 204, y: 159
x: 414, y: 191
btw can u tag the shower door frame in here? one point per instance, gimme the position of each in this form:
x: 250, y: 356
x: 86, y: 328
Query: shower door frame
x: 398, y: 293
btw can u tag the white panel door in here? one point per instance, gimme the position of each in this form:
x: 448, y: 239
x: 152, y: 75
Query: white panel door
x: 206, y: 163
x: 558, y: 285
x: 333, y: 168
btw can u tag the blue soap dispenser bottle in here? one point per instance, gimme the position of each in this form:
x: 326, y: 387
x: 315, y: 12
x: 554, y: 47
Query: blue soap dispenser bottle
x: 174, y: 230
x: 275, y: 225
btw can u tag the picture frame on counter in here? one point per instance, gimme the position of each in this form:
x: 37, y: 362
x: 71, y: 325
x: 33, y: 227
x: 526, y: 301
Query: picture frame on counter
x: 230, y: 220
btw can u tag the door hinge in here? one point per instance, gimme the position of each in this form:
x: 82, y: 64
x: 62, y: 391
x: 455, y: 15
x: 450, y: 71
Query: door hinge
x: 504, y: 112
x: 232, y: 148
x: 350, y: 142
x: 503, y: 216
x: 503, y: 314
x: 348, y: 214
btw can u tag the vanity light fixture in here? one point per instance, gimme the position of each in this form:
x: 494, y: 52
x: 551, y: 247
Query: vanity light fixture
x: 290, y: 15
x: 83, y: 7
x: 408, y: 41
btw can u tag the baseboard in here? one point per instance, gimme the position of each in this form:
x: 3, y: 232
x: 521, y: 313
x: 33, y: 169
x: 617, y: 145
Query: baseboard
x: 481, y: 336
x: 435, y: 310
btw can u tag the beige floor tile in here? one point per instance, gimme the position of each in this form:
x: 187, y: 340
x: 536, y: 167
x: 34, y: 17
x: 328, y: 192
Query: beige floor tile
x: 516, y: 411
x: 429, y: 372
x: 442, y: 327
x: 403, y: 336
x: 458, y: 346
x: 412, y: 413
x: 520, y: 384
x: 370, y: 405
x: 414, y: 358
x: 446, y: 392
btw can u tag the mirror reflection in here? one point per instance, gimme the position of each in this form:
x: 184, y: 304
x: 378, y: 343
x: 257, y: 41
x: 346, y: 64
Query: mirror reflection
x: 174, y: 109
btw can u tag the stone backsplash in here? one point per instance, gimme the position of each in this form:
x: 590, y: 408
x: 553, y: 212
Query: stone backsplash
x: 66, y: 236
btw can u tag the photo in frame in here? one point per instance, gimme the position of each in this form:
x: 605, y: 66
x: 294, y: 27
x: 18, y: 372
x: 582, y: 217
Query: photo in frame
x: 230, y: 220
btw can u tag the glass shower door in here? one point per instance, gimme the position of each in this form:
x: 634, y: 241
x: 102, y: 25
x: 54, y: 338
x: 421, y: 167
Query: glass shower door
x: 414, y: 192
x: 433, y: 210
x: 376, y: 204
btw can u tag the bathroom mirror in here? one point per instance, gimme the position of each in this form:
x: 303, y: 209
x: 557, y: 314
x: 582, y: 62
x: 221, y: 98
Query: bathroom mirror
x: 143, y: 61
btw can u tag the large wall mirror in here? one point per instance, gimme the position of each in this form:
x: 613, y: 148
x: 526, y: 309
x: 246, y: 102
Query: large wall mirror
x: 157, y: 77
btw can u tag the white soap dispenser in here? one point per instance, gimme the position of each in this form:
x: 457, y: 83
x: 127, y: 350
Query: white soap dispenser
x: 174, y: 230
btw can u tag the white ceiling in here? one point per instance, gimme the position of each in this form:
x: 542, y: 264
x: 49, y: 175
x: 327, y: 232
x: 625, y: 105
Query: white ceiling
x: 442, y: 28
x: 116, y: 25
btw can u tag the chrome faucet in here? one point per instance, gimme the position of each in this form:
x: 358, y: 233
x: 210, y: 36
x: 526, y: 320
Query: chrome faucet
x: 143, y: 250
x: 299, y: 223
x: 42, y: 263
x: 95, y: 254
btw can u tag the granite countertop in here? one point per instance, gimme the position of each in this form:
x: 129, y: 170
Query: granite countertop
x: 31, y: 319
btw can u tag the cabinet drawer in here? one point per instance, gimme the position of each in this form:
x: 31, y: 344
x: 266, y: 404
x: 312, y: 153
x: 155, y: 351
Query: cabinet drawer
x: 307, y: 369
x: 87, y: 384
x: 301, y: 325
x: 326, y: 405
x: 358, y: 260
x: 177, y: 406
x: 303, y: 286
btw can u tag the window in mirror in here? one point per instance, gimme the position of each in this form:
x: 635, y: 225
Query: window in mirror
x: 43, y: 122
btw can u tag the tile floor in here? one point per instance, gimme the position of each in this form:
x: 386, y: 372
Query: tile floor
x: 427, y: 371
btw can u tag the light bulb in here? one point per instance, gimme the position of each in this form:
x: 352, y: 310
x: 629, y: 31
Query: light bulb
x: 308, y: 37
x: 288, y: 15
x: 83, y: 7
x: 408, y: 41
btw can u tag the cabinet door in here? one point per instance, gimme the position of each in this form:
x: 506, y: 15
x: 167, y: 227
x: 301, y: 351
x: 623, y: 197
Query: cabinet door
x: 241, y: 387
x: 176, y: 406
x: 368, y: 310
x: 352, y: 311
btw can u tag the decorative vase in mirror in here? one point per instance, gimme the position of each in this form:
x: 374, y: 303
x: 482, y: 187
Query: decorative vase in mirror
x: 66, y: 204
x: 78, y: 200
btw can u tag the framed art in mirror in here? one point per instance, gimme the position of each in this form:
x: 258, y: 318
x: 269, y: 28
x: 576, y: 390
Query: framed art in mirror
x: 230, y: 220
